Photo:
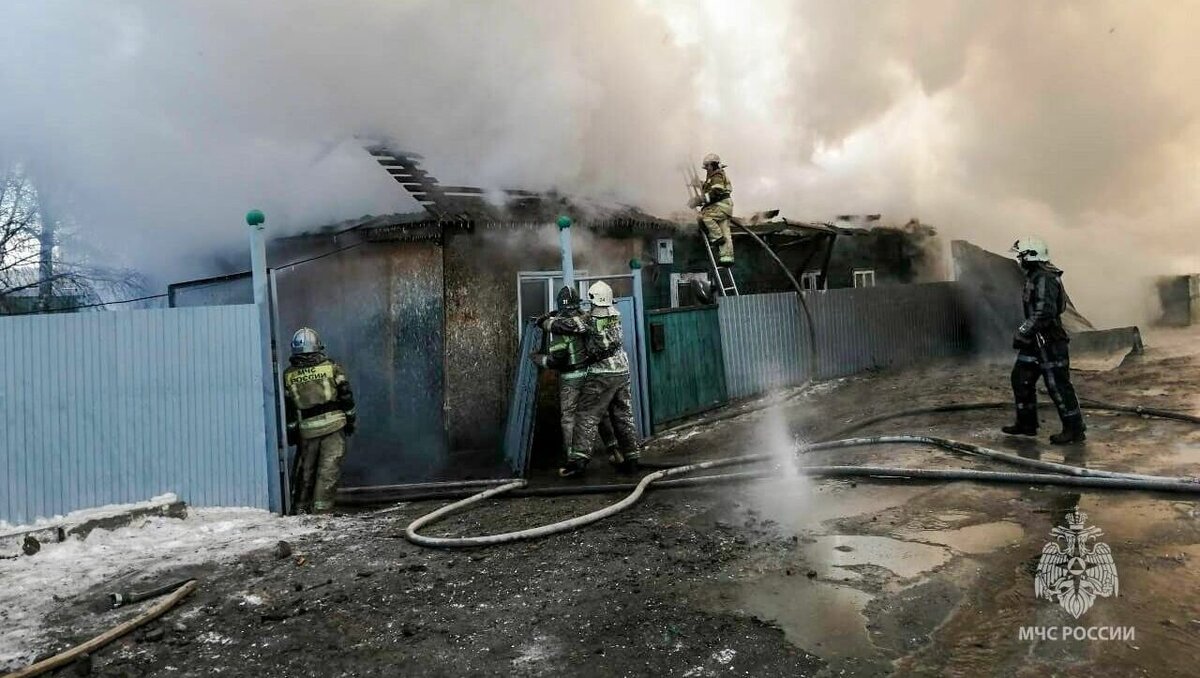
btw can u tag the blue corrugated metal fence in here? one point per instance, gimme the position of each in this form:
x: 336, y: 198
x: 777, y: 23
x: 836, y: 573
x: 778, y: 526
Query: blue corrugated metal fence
x: 764, y: 343
x: 115, y: 407
x: 887, y: 327
x: 765, y: 340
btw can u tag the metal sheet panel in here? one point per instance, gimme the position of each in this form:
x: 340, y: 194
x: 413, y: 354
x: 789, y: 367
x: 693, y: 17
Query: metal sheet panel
x: 113, y: 407
x: 887, y: 327
x: 379, y: 312
x: 221, y: 291
x: 632, y: 336
x: 522, y: 404
x: 764, y: 343
x: 687, y: 373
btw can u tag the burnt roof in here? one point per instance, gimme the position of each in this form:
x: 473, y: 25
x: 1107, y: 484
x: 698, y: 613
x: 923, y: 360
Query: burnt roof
x: 448, y: 209
x: 469, y: 207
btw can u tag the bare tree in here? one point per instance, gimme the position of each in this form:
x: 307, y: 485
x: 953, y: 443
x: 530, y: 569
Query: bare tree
x: 32, y: 261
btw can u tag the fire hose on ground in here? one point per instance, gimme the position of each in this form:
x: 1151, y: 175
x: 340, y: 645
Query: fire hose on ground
x: 179, y: 591
x: 1055, y: 474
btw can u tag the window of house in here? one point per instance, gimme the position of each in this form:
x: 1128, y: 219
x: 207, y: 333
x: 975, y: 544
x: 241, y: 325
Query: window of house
x: 536, y: 291
x: 810, y: 280
x: 683, y: 292
x: 864, y: 278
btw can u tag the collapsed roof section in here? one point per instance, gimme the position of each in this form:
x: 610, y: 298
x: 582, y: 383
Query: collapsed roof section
x: 448, y: 209
x: 470, y: 207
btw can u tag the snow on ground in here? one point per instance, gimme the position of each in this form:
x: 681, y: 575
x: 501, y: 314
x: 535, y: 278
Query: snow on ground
x: 84, y: 515
x: 29, y: 585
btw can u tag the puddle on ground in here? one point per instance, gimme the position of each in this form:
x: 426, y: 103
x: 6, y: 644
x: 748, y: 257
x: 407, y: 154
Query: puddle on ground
x: 973, y: 538
x: 1185, y: 453
x: 831, y: 555
x: 951, y: 517
x: 822, y: 618
x: 1127, y: 518
x: 802, y: 506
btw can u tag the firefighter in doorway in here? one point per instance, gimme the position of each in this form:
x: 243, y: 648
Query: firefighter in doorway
x: 567, y: 328
x: 320, y: 416
x: 605, y: 388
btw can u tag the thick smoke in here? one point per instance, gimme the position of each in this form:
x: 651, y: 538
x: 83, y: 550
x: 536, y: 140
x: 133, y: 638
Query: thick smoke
x: 1073, y: 120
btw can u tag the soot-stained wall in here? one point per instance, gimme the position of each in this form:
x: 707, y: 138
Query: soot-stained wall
x: 379, y: 311
x: 481, y: 342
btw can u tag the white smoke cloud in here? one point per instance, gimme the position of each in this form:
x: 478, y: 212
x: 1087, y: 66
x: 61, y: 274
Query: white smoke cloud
x: 1075, y: 120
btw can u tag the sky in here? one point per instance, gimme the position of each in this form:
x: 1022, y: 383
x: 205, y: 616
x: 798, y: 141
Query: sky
x: 157, y: 125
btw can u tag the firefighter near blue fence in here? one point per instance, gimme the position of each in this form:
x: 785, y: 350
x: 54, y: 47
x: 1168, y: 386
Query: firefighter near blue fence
x: 320, y: 417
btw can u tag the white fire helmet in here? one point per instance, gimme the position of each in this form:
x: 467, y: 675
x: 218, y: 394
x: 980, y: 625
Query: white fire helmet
x: 1031, y: 248
x: 306, y: 340
x: 711, y: 159
x: 600, y: 294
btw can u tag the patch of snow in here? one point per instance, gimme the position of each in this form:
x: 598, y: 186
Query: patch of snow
x: 149, y: 546
x: 539, y: 650
x: 724, y: 656
x: 84, y: 515
x: 251, y: 599
x: 214, y: 638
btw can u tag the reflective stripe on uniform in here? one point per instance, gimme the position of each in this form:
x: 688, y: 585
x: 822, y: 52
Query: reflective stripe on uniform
x: 322, y: 424
x: 1027, y: 359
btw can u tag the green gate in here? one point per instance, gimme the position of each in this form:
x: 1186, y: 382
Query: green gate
x: 686, y: 368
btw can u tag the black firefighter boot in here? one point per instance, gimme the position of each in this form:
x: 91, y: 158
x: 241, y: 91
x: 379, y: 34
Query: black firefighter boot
x: 1073, y: 431
x: 1027, y: 422
x: 573, y: 468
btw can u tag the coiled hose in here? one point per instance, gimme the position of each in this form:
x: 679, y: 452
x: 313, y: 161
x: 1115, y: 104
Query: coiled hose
x: 1063, y: 475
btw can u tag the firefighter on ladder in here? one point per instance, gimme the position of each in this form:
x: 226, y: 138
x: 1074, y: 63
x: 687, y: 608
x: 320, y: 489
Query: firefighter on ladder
x: 715, y: 202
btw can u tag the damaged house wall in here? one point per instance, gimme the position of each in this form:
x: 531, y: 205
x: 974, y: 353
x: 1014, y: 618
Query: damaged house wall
x: 379, y: 309
x: 481, y: 271
x: 423, y: 315
x: 898, y: 256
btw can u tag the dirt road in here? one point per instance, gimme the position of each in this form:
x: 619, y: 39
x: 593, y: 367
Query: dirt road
x: 787, y: 577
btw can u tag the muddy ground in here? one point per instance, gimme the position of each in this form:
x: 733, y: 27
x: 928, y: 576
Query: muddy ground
x: 787, y: 577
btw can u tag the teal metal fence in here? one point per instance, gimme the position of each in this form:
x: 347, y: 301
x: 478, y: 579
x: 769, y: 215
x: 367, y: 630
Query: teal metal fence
x: 700, y: 358
x: 686, y: 367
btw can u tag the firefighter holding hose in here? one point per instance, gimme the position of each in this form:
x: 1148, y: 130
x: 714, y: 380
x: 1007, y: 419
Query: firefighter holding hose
x: 1041, y: 343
